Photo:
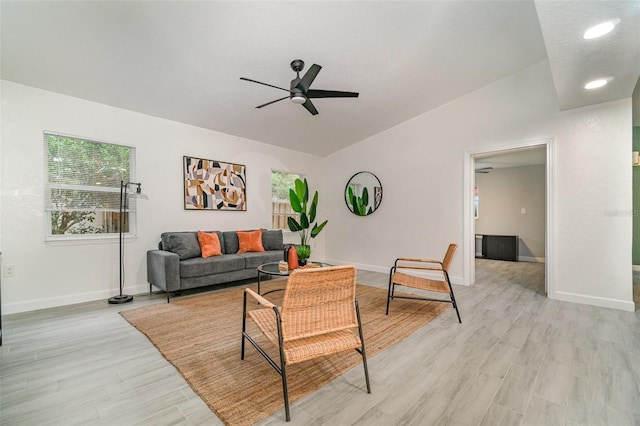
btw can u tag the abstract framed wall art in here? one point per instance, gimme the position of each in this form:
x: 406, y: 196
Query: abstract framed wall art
x: 214, y: 185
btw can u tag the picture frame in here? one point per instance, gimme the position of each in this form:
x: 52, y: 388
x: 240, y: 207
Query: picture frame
x: 214, y: 185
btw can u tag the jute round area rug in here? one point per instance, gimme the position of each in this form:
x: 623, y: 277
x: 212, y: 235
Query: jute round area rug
x: 201, y: 337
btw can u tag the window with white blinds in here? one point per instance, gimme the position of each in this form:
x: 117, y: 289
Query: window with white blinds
x: 82, y: 187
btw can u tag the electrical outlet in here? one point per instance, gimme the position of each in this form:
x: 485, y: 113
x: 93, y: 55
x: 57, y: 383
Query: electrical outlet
x: 523, y: 210
x: 10, y: 271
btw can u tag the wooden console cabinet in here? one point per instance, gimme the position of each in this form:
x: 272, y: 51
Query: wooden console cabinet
x: 500, y: 247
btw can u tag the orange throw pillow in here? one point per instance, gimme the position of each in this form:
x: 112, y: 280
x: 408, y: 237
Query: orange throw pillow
x: 250, y: 241
x: 209, y: 244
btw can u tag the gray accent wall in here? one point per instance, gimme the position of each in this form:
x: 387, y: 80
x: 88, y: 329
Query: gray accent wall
x: 504, y: 192
x: 635, y: 254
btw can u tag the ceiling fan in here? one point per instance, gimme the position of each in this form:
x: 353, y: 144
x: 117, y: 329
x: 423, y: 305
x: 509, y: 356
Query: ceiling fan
x: 299, y: 91
x: 484, y: 170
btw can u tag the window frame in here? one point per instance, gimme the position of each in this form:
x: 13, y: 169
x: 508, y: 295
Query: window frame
x: 273, y: 214
x: 73, y: 239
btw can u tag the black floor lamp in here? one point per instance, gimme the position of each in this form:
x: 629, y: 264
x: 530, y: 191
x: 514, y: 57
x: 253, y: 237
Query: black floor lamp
x: 124, y: 195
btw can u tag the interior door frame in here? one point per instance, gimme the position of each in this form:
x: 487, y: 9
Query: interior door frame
x: 469, y: 221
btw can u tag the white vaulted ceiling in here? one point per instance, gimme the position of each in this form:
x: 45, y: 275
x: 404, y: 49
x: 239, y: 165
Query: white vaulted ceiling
x: 575, y: 61
x: 182, y: 60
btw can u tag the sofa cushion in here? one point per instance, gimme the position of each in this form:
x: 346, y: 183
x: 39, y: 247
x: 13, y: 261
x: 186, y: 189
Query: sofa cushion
x: 184, y: 244
x: 255, y: 259
x: 272, y: 239
x: 200, y: 267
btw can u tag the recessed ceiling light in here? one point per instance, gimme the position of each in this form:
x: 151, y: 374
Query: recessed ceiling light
x: 600, y: 29
x: 595, y: 84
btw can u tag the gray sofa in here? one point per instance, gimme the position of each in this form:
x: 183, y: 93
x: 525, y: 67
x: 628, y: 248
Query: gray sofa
x: 178, y: 263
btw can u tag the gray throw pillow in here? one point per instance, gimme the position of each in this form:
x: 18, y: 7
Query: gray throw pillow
x: 231, y: 244
x: 184, y: 244
x: 272, y: 239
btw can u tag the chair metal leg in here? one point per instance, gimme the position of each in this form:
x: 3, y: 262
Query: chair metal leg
x: 453, y: 298
x: 281, y: 369
x: 390, y: 292
x: 455, y: 305
x: 244, y: 323
x: 457, y: 311
x: 362, y: 350
x: 283, y: 372
x: 285, y: 392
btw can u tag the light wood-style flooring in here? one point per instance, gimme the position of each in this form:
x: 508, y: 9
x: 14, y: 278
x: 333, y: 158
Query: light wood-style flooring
x: 518, y: 358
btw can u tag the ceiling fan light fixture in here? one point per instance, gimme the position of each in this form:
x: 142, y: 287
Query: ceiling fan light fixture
x: 600, y: 29
x: 300, y: 91
x: 298, y: 98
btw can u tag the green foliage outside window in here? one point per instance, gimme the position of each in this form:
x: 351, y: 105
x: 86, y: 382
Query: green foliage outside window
x: 83, y: 184
x: 281, y: 183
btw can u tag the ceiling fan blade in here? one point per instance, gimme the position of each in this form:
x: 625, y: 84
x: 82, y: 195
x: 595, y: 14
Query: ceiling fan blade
x: 331, y: 94
x: 309, y: 106
x: 265, y: 84
x: 308, y: 78
x: 272, y: 102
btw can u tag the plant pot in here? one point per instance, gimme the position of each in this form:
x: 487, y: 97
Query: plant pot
x: 302, y: 262
x: 304, y: 252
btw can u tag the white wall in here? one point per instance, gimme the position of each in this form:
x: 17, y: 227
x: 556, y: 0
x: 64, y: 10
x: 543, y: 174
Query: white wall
x: 593, y: 202
x: 420, y: 164
x: 503, y: 193
x: 53, y: 274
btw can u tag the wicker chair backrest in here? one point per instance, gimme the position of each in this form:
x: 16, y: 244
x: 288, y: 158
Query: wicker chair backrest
x: 448, y: 257
x: 319, y: 301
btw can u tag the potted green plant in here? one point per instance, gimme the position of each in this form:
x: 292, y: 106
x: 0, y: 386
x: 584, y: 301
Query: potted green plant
x: 307, y: 228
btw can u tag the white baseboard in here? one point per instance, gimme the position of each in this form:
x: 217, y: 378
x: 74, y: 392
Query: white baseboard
x: 385, y: 270
x: 603, y: 302
x: 71, y: 299
x: 522, y: 258
x: 52, y: 302
x: 531, y: 259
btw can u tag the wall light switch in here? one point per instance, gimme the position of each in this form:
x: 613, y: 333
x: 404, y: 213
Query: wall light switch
x: 10, y: 271
x: 523, y: 210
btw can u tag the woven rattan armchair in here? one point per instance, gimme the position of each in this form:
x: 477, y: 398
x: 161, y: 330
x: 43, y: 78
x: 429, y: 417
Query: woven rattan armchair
x: 410, y: 279
x: 319, y: 316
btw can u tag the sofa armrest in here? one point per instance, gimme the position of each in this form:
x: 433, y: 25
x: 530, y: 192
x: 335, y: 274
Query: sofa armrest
x: 163, y: 270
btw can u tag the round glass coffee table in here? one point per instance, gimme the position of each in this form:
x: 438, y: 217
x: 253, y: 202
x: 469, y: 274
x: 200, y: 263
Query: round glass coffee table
x: 271, y: 269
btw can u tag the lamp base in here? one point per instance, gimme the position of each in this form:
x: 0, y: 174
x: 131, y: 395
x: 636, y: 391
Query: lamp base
x: 123, y: 298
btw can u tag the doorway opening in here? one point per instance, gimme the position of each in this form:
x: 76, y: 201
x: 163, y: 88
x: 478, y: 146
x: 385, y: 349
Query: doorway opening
x: 516, y: 210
